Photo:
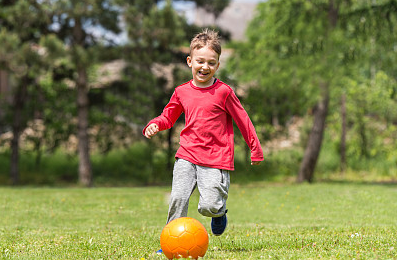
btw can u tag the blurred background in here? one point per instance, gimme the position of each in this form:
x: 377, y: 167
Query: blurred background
x: 80, y: 79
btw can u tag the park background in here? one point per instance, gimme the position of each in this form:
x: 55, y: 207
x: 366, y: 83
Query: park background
x: 80, y: 79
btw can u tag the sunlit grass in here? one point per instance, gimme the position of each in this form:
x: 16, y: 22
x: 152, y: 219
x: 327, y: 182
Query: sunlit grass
x: 266, y: 221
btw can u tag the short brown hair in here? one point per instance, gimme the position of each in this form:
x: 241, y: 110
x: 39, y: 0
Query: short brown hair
x: 207, y: 37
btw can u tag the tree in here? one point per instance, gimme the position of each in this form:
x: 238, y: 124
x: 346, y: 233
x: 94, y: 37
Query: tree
x: 215, y: 7
x: 315, y: 139
x: 75, y: 21
x: 21, y: 56
x: 70, y: 21
x: 300, y: 54
x: 155, y: 35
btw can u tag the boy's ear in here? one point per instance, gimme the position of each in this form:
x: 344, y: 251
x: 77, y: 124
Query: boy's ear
x: 189, y: 61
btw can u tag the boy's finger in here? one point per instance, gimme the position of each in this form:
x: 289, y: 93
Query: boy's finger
x: 148, y: 134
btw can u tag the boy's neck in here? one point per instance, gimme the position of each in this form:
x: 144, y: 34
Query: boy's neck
x: 206, y: 84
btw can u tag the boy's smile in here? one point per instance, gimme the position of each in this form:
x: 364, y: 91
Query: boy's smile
x: 204, y: 62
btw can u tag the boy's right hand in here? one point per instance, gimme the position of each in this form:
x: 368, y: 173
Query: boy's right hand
x: 151, y: 130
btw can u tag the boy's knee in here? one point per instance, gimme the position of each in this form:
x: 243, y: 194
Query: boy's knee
x: 209, y: 210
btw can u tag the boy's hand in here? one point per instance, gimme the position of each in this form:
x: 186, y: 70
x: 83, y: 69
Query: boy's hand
x: 151, y: 130
x: 255, y: 162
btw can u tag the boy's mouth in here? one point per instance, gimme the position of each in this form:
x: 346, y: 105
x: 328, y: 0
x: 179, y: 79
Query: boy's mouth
x: 203, y: 73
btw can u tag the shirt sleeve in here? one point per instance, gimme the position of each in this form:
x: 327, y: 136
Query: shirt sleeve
x: 247, y: 129
x: 169, y: 115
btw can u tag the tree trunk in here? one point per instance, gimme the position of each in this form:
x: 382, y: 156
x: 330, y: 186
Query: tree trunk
x: 363, y: 136
x: 275, y: 121
x: 309, y: 161
x: 85, y: 172
x: 17, y: 126
x: 343, y: 134
x: 38, y: 114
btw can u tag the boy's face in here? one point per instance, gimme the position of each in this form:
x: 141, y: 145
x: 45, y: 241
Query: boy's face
x: 204, y: 63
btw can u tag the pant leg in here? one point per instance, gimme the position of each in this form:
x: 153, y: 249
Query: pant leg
x: 213, y: 186
x: 183, y: 185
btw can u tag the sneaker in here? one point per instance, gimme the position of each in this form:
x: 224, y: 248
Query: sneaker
x: 219, y: 224
x: 159, y: 252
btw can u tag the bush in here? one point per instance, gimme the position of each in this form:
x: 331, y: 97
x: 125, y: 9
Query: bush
x: 51, y: 169
x: 142, y: 164
x: 136, y: 165
x: 278, y: 166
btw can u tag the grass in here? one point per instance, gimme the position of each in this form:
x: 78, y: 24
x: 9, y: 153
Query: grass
x: 266, y: 221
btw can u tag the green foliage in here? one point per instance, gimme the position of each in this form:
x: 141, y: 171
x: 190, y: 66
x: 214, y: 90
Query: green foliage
x: 294, y: 46
x: 130, y: 166
x: 379, y: 165
x: 327, y: 221
x: 144, y: 164
x: 215, y: 7
x: 128, y: 104
x: 154, y: 33
x: 53, y: 169
x: 290, y: 46
x: 57, y: 113
x: 163, y: 33
x: 278, y: 166
x: 136, y: 165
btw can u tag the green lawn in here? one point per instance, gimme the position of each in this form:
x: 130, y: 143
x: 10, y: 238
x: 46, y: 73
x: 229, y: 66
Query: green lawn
x: 266, y: 221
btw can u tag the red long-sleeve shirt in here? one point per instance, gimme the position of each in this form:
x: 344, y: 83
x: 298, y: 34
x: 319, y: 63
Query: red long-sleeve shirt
x: 208, y: 137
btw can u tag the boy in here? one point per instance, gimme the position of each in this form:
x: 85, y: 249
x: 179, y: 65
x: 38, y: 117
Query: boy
x: 206, y: 152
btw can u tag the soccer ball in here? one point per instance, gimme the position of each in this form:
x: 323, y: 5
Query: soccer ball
x: 184, y: 237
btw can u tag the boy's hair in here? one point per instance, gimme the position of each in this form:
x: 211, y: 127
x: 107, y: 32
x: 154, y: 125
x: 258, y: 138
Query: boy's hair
x: 207, y: 37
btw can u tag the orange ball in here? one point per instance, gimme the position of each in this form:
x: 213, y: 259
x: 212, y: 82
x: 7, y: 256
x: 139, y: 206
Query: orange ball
x: 184, y: 237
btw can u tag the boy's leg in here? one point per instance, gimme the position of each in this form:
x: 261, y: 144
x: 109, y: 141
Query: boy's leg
x: 183, y: 185
x: 213, y: 186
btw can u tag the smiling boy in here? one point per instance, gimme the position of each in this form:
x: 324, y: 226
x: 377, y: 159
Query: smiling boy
x: 206, y: 152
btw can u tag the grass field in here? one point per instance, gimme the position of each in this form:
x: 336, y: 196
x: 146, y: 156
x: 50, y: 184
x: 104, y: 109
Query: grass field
x: 266, y: 221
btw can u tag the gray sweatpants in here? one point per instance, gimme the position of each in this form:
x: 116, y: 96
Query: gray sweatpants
x: 213, y: 186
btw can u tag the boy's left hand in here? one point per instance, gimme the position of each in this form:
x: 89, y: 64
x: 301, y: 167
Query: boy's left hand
x: 255, y: 162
